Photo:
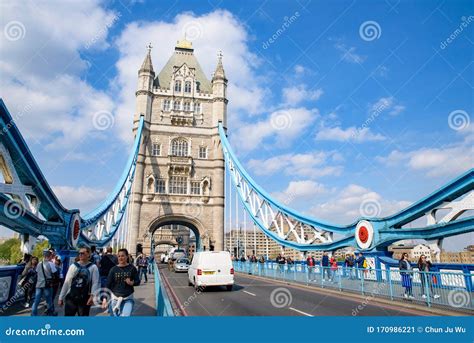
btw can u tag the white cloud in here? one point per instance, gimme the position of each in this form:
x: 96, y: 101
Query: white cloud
x: 84, y: 198
x: 299, y: 190
x: 42, y: 71
x: 351, y: 134
x: 353, y: 202
x: 296, y: 94
x: 312, y: 165
x: 386, y: 104
x: 450, y: 160
x: 349, y: 53
x: 299, y: 69
x: 283, y: 126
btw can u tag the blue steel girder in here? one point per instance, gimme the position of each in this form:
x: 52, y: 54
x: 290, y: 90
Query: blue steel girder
x: 292, y: 229
x: 63, y: 227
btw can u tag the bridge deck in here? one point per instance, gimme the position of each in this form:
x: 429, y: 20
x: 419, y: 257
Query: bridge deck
x: 252, y: 297
x: 144, y: 303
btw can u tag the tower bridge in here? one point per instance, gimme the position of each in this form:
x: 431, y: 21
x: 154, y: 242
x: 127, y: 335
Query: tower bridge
x: 182, y: 171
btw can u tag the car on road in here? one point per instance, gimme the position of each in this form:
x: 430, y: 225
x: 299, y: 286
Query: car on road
x: 181, y: 265
x: 211, y: 268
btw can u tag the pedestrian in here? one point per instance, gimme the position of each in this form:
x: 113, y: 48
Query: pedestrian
x: 280, y: 260
x: 95, y: 257
x: 120, y: 281
x: 44, y: 285
x: 58, y: 276
x: 151, y: 261
x: 424, y: 266
x: 325, y: 266
x: 82, y: 283
x: 349, y: 265
x: 361, y: 264
x: 334, y: 267
x: 310, y: 263
x: 142, y: 264
x: 28, y: 280
x: 107, y: 262
x: 406, y: 273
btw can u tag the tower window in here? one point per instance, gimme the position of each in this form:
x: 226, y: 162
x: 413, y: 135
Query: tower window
x: 178, y: 185
x: 187, y: 87
x: 156, y: 149
x: 197, y: 108
x: 176, y: 105
x: 187, y: 106
x: 166, y: 105
x: 179, y: 147
x: 196, y: 188
x: 160, y: 186
x: 177, y: 86
x: 202, y: 152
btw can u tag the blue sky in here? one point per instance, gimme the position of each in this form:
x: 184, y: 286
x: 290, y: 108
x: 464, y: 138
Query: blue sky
x: 329, y: 104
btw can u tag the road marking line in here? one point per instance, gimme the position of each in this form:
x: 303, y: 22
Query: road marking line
x: 301, y: 312
x: 249, y: 293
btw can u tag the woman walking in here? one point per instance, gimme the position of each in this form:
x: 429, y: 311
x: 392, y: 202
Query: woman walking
x: 120, y: 281
x: 406, y: 272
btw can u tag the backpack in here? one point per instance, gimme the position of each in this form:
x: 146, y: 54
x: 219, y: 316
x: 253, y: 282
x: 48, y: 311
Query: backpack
x: 81, y: 283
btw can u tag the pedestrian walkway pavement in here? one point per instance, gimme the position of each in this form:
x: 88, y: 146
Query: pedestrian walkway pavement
x: 144, y: 304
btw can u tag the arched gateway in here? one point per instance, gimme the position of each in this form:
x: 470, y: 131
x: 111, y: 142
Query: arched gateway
x: 180, y: 167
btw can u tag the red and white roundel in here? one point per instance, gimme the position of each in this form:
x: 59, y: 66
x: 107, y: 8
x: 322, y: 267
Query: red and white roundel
x: 364, y: 234
x: 75, y: 229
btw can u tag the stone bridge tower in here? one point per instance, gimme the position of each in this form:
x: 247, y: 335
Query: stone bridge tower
x: 179, y: 177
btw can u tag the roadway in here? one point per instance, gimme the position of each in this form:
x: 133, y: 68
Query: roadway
x: 252, y: 296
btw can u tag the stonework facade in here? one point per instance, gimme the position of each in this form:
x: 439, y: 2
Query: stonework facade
x: 179, y: 179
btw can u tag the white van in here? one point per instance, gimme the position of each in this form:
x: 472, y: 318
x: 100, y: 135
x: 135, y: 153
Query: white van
x: 211, y: 268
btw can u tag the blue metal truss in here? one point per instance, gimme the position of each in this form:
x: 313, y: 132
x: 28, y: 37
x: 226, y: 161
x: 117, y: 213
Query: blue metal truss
x: 52, y: 219
x: 295, y: 230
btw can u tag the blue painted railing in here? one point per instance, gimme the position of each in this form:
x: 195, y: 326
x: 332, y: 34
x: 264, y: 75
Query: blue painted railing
x: 442, y: 289
x: 162, y: 303
x: 9, y: 277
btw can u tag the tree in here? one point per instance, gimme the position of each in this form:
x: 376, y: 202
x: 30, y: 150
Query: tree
x: 39, y: 247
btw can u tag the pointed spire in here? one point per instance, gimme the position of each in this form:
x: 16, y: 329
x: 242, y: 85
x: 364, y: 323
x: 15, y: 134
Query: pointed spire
x: 219, y: 72
x: 147, y: 65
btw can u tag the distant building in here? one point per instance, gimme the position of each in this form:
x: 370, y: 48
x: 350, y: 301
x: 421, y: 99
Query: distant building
x: 462, y: 257
x: 414, y: 251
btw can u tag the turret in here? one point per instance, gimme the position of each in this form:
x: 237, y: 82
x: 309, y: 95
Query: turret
x: 144, y: 94
x: 219, y: 93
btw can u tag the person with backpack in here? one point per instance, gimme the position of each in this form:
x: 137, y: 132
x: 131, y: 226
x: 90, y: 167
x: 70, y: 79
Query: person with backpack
x: 81, y: 283
x: 361, y: 264
x: 107, y: 262
x: 44, y: 285
x: 310, y: 263
x: 120, y: 281
x: 95, y: 257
